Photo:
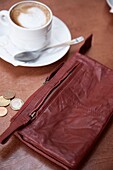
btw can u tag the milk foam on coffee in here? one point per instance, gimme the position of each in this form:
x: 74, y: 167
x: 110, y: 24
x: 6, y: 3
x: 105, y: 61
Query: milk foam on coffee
x: 30, y: 15
x: 32, y: 19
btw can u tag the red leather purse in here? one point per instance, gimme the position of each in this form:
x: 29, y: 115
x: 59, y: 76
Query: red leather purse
x: 65, y: 117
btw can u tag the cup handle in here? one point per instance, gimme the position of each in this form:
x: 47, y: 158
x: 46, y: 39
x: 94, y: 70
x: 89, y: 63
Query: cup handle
x: 4, y: 17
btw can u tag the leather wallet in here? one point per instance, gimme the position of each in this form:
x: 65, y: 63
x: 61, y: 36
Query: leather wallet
x: 64, y: 118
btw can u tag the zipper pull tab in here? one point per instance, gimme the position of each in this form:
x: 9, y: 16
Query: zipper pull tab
x: 32, y: 115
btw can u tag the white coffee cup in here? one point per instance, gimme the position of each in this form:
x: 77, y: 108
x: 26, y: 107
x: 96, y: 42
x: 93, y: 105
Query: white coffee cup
x: 29, y: 24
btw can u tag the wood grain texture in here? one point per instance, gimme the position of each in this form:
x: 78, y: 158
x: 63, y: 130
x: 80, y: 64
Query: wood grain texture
x: 83, y: 17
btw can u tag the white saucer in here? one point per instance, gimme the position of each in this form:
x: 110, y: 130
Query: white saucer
x: 110, y: 3
x: 60, y: 33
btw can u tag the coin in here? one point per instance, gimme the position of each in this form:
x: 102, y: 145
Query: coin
x: 9, y: 94
x: 3, y: 111
x: 3, y: 101
x: 16, y: 103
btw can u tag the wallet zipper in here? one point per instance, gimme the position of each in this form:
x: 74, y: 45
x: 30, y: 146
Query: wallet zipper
x: 34, y: 114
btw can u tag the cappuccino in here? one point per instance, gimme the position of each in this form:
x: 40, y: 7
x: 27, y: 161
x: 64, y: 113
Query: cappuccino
x: 30, y: 15
x: 29, y: 23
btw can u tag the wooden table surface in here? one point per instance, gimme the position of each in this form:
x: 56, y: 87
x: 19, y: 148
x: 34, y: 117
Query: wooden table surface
x: 82, y: 17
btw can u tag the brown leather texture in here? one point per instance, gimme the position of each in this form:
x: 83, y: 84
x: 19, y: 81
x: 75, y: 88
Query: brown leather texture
x: 74, y: 113
x: 82, y: 18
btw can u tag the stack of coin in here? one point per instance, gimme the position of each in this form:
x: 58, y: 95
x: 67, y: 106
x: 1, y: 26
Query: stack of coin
x: 8, y: 98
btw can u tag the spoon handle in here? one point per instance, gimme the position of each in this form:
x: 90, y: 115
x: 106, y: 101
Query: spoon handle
x: 71, y: 42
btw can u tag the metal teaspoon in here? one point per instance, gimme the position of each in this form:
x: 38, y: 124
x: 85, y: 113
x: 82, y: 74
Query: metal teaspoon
x: 32, y: 55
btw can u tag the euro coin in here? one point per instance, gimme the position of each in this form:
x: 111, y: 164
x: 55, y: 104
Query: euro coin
x: 9, y: 94
x: 3, y: 101
x: 3, y: 111
x: 16, y: 103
